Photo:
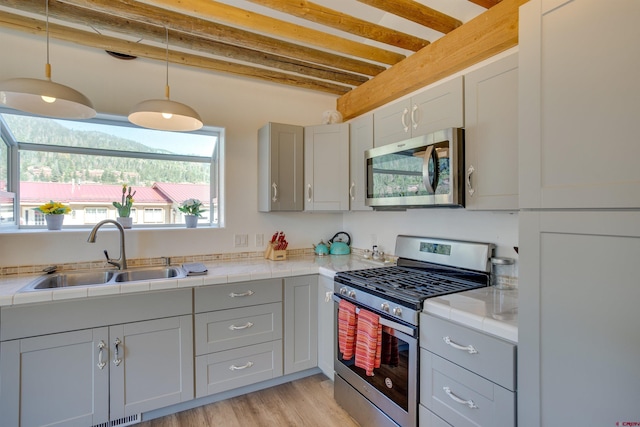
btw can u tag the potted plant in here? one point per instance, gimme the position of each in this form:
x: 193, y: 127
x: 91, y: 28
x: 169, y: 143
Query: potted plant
x: 124, y: 207
x: 54, y: 214
x: 192, y: 208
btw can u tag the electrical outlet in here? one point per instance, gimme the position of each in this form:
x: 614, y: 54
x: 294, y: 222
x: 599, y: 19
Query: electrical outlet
x: 240, y: 240
x: 259, y: 240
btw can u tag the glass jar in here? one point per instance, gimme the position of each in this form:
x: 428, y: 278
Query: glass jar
x: 502, y: 273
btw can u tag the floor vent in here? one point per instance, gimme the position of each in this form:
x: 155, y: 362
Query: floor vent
x: 122, y: 422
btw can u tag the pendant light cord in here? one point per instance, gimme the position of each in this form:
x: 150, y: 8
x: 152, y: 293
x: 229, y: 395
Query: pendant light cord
x: 166, y: 90
x: 47, y: 69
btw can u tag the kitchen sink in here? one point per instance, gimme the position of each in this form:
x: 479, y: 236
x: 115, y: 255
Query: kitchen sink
x: 95, y: 278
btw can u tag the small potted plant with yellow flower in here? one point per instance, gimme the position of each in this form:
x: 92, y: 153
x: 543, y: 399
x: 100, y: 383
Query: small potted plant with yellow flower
x: 124, y: 207
x: 54, y: 213
x: 192, y: 208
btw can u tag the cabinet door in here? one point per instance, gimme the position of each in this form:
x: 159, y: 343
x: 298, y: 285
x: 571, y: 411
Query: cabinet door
x: 300, y: 323
x: 579, y: 102
x: 55, y: 380
x: 152, y: 366
x: 491, y: 135
x: 578, y: 318
x: 437, y: 108
x: 360, y: 140
x: 326, y: 167
x: 280, y: 167
x: 392, y: 123
x: 326, y: 339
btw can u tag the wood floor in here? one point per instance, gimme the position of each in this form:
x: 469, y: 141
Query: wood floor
x: 307, y: 402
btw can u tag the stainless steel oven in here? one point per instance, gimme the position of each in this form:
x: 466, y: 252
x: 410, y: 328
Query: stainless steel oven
x: 388, y: 395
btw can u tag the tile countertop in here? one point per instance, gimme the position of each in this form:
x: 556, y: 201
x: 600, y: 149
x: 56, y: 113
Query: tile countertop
x: 487, y: 309
x: 219, y: 272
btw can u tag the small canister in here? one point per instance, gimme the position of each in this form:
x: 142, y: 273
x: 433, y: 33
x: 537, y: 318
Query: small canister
x: 502, y: 273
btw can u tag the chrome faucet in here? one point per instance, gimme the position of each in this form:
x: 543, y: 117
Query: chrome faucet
x: 121, y: 262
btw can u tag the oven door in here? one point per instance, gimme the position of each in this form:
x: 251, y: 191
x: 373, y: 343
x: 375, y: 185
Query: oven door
x: 393, y: 387
x: 419, y: 172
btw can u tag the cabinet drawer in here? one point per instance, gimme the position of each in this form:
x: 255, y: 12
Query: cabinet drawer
x: 429, y: 419
x: 463, y: 398
x: 238, y: 327
x: 242, y: 294
x: 495, y: 359
x: 231, y: 369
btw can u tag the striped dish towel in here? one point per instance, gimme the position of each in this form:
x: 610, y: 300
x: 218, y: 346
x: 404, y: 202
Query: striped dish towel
x: 346, y: 328
x: 368, y: 341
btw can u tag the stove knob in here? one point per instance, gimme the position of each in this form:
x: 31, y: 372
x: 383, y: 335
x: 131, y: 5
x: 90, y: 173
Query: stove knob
x: 352, y: 294
x: 384, y: 307
x: 343, y: 291
x: 397, y: 311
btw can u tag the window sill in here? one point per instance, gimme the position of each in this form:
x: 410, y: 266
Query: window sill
x: 5, y: 230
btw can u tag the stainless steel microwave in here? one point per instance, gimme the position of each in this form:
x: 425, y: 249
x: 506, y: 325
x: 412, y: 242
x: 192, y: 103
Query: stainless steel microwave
x: 425, y: 171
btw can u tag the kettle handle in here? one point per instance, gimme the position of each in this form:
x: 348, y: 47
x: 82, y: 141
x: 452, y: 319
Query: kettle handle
x: 339, y: 233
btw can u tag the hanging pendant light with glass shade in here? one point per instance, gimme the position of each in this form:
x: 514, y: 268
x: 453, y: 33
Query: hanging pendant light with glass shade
x: 45, y: 97
x: 164, y: 114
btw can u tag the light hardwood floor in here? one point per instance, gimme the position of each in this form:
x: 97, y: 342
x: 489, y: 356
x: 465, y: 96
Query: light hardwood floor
x: 307, y: 402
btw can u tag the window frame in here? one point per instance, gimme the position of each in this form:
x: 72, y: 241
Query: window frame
x: 215, y: 162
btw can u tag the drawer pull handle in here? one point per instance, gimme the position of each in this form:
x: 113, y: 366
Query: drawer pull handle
x: 469, y: 402
x: 245, y: 326
x: 243, y: 294
x: 238, y: 368
x: 469, y: 348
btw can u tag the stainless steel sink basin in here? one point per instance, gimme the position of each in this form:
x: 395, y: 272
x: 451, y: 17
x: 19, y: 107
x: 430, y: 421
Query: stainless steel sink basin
x: 149, y: 274
x: 95, y: 278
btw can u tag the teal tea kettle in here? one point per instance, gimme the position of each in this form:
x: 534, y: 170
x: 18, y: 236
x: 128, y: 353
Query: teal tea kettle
x: 337, y: 245
x: 321, y: 248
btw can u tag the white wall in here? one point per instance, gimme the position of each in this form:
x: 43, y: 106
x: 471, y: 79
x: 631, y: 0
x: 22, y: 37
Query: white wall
x: 239, y: 105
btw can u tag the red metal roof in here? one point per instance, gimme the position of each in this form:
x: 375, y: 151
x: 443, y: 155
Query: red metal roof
x: 181, y: 192
x: 41, y: 192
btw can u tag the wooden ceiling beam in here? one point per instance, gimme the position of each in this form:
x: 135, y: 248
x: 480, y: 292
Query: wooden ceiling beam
x: 486, y: 3
x: 219, y: 12
x: 338, y: 20
x: 418, y: 13
x: 60, y: 32
x: 486, y: 35
x: 125, y: 16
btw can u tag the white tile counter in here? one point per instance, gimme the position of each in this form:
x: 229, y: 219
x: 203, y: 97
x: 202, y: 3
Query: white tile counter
x: 487, y: 309
x: 219, y: 272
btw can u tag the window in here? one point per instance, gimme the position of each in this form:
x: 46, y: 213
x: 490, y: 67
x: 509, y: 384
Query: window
x: 86, y: 163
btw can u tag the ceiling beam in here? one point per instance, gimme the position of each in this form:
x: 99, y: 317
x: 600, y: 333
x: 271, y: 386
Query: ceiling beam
x: 486, y: 3
x: 332, y: 18
x: 418, y: 13
x: 134, y: 19
x: 484, y: 36
x: 230, y: 15
x: 85, y: 38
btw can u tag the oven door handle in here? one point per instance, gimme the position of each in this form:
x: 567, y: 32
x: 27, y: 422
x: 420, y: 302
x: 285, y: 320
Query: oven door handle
x: 386, y: 322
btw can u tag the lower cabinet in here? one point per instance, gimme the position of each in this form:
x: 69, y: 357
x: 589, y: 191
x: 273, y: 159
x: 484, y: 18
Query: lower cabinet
x: 300, y: 323
x: 93, y: 376
x: 467, y: 378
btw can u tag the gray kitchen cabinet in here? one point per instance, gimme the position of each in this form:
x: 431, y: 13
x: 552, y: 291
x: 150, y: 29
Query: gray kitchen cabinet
x: 52, y: 373
x: 300, y: 323
x: 436, y: 108
x: 467, y: 377
x: 360, y: 140
x: 326, y: 167
x: 326, y: 326
x: 491, y: 135
x: 280, y: 167
x: 238, y: 335
x: 579, y: 102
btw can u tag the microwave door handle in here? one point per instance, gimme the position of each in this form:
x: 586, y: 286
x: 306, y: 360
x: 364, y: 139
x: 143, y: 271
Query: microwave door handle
x: 427, y: 179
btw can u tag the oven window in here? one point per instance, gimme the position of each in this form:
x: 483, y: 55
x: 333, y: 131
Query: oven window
x: 392, y: 377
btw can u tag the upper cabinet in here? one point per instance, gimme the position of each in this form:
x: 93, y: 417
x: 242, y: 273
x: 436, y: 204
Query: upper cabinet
x: 579, y: 101
x: 280, y: 167
x: 491, y: 135
x: 361, y: 139
x: 436, y: 108
x: 326, y: 167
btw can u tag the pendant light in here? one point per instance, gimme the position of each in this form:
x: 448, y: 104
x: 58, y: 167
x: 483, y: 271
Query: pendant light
x: 44, y: 97
x: 164, y: 114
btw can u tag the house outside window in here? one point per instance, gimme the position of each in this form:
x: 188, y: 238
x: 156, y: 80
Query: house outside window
x: 86, y: 163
